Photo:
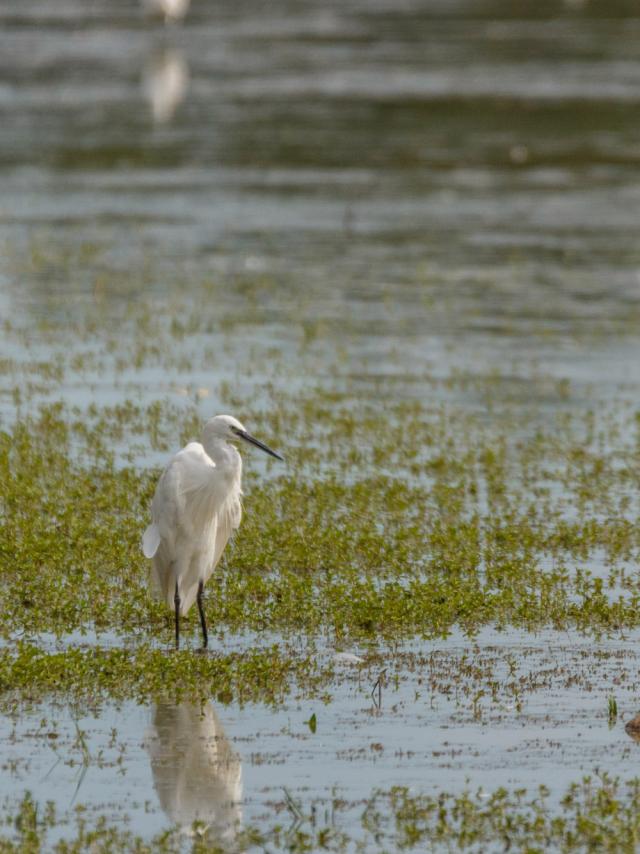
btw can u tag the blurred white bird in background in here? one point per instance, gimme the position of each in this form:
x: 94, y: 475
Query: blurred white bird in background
x: 196, y: 773
x: 165, y: 83
x: 195, y: 508
x: 170, y: 10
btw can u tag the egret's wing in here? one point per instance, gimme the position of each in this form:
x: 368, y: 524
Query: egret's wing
x: 184, y: 520
x: 214, y: 511
x: 229, y: 518
x: 195, y: 509
x: 192, y: 467
x: 187, y: 477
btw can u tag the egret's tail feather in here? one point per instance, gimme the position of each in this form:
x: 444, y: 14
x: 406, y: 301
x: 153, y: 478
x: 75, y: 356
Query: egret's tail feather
x: 150, y: 541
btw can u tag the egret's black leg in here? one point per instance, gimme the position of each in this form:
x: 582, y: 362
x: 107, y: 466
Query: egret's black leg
x: 203, y: 622
x: 176, y: 600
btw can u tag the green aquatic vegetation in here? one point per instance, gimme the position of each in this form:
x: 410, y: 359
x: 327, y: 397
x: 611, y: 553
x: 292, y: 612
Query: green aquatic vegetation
x: 439, y: 531
x: 89, y: 675
x: 598, y: 813
x: 595, y: 814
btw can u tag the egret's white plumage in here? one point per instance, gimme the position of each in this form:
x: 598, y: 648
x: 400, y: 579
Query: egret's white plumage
x: 195, y: 509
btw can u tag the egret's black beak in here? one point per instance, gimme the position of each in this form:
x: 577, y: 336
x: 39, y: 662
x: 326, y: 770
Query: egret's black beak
x: 249, y: 438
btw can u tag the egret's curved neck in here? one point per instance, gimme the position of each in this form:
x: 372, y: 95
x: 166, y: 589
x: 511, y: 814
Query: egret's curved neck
x: 217, y: 448
x: 224, y: 455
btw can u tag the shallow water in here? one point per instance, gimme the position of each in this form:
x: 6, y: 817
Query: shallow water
x: 437, y: 728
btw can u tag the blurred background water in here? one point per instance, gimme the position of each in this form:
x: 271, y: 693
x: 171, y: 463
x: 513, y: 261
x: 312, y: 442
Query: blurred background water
x: 410, y: 175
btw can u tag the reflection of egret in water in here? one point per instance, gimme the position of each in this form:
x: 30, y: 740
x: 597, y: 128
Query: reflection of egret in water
x: 166, y: 80
x: 170, y: 10
x: 196, y: 773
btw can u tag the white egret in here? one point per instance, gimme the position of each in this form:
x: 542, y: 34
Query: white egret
x: 195, y: 508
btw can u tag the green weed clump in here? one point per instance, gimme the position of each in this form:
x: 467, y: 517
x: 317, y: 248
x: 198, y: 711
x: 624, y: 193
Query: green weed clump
x: 91, y: 675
